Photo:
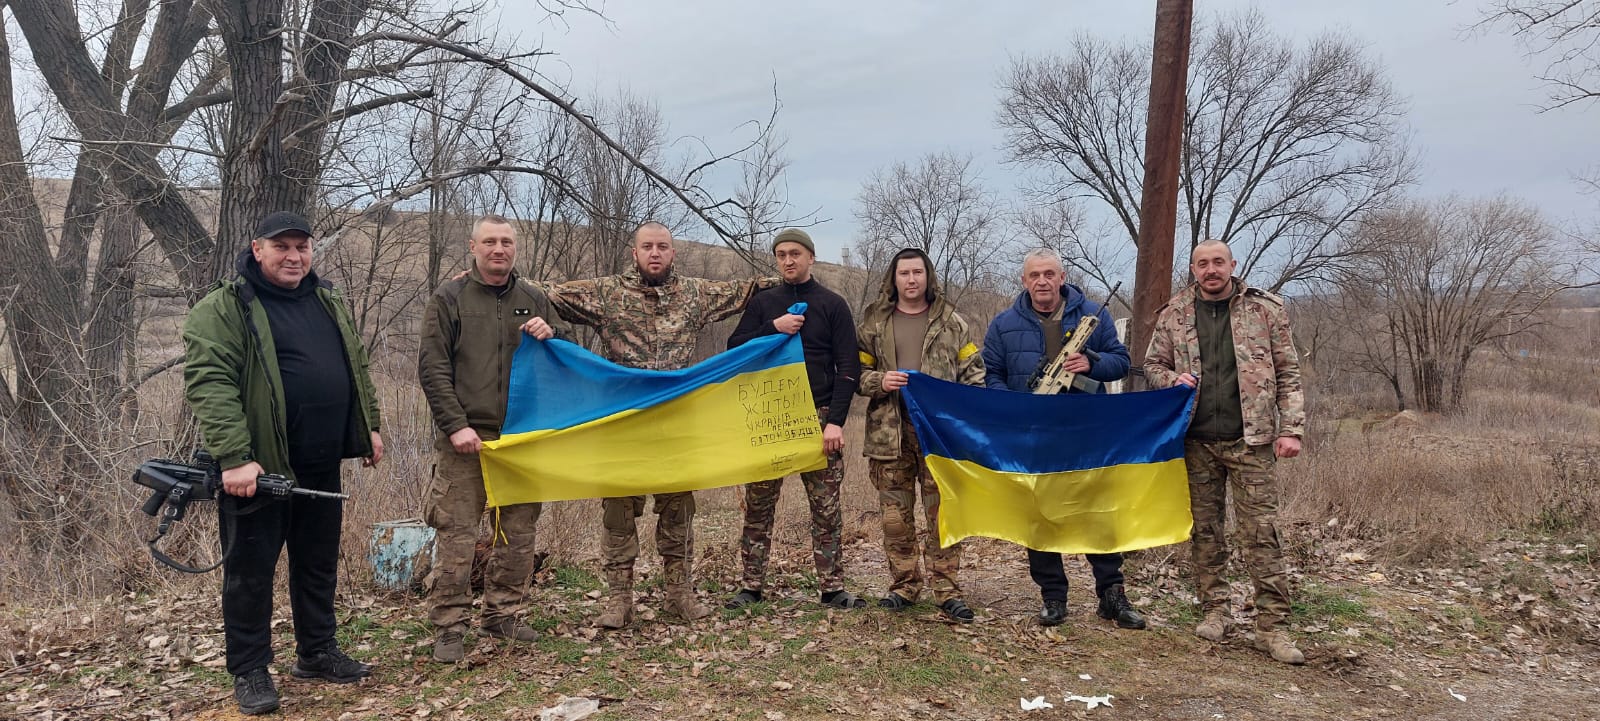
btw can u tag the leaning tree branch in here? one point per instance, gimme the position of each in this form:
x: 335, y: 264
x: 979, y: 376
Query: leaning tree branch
x: 425, y: 184
x: 351, y: 111
x: 505, y: 67
x: 159, y: 146
x: 163, y: 367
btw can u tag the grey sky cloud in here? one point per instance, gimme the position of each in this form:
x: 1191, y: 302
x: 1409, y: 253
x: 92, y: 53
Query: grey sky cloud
x: 864, y: 84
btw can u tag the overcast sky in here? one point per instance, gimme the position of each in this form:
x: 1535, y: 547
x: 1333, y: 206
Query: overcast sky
x: 866, y: 83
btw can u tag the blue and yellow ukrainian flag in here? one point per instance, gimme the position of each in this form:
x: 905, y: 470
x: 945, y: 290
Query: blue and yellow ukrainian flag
x: 1074, y: 473
x: 580, y: 426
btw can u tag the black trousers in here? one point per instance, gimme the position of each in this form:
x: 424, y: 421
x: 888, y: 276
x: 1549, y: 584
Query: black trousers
x: 1047, y: 570
x: 310, y: 529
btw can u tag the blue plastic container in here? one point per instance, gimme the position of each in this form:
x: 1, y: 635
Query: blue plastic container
x: 397, y: 547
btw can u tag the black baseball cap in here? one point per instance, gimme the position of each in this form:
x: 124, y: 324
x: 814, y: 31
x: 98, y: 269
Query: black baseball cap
x: 283, y: 221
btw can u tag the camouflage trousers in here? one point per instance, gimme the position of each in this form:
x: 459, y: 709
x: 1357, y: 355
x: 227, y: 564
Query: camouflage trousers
x: 898, y: 482
x: 1215, y: 467
x: 455, y: 508
x: 619, y: 544
x: 827, y: 522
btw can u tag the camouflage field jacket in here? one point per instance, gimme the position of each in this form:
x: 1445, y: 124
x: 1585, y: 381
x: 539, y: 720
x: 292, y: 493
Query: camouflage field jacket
x: 948, y: 353
x: 650, y: 326
x: 1270, y: 397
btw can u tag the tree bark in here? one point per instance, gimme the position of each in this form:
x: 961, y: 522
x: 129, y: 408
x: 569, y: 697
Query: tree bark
x: 112, y: 321
x: 261, y: 173
x: 49, y: 403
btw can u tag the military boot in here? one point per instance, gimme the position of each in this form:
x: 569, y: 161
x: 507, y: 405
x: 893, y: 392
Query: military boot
x: 1280, y: 646
x: 1114, y: 606
x: 448, y: 647
x: 680, y: 595
x: 1214, y: 627
x: 619, y: 600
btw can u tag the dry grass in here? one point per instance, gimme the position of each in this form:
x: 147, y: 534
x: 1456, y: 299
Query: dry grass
x: 1521, y: 455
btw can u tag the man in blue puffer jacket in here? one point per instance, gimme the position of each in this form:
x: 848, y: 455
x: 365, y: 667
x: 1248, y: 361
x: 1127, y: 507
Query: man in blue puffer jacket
x: 1036, y: 327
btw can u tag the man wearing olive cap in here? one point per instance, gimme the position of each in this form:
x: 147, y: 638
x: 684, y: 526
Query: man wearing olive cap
x: 828, y: 336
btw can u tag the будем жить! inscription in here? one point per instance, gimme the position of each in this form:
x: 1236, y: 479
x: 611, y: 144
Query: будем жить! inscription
x: 778, y: 410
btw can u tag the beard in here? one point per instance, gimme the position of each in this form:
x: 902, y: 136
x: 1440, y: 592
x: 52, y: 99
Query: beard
x: 654, y: 278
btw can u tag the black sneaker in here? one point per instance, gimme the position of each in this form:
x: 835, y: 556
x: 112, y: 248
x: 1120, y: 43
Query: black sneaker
x: 255, y: 693
x: 331, y: 665
x: 1054, y: 613
x: 1114, y: 606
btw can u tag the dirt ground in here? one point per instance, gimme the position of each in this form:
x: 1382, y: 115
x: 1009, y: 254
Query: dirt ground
x: 1513, y: 632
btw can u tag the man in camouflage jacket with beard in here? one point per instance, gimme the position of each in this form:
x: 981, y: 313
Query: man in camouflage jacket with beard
x: 1233, y: 342
x: 911, y: 326
x: 648, y: 318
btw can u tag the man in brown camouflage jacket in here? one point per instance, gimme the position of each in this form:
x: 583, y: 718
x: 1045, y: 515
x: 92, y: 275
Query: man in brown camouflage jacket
x: 911, y: 326
x: 1233, y: 342
x: 647, y: 318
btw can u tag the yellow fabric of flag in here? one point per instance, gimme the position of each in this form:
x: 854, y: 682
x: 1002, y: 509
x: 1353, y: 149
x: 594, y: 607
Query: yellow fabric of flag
x: 578, y: 426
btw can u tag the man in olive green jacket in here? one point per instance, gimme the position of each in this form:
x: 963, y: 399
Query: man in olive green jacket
x: 470, y: 330
x: 277, y: 378
x: 911, y: 327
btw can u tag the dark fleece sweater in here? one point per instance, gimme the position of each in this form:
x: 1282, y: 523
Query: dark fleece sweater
x: 317, y: 388
x: 833, y: 363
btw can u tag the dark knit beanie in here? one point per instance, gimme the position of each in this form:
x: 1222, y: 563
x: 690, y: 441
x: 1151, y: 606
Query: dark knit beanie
x: 794, y: 235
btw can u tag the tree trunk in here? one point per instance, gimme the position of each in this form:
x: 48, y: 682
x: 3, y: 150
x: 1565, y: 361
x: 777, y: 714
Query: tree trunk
x: 1458, y: 381
x: 112, y: 321
x: 255, y: 178
x: 41, y: 320
x: 1428, y: 381
x: 437, y: 231
x: 1393, y: 376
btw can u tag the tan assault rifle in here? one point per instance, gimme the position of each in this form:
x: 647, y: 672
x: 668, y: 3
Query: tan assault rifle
x: 1052, y: 378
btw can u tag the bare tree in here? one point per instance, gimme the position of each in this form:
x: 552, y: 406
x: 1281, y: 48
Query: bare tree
x: 1286, y: 146
x: 939, y: 205
x: 619, y: 195
x: 762, y: 198
x: 1096, y: 256
x: 1437, y: 282
x: 1566, y: 33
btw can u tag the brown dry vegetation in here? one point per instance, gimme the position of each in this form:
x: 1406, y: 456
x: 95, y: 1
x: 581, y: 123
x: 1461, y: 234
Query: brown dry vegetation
x: 1522, y: 455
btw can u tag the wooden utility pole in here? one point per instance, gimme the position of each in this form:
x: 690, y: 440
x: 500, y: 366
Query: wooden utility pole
x: 1163, y: 150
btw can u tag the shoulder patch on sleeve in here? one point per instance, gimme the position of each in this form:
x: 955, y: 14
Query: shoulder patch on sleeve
x: 867, y: 359
x: 966, y: 352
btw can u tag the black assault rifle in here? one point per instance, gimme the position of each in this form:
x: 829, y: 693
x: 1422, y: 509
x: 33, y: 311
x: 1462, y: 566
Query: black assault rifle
x: 175, y: 485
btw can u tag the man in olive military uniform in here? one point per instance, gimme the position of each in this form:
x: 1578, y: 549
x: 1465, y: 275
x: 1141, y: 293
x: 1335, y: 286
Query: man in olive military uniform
x: 911, y: 326
x: 470, y: 330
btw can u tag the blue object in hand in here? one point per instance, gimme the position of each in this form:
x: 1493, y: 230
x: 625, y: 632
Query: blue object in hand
x: 798, y: 308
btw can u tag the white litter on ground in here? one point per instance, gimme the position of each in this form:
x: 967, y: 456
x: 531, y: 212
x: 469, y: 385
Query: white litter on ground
x: 1035, y: 704
x: 1092, y: 701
